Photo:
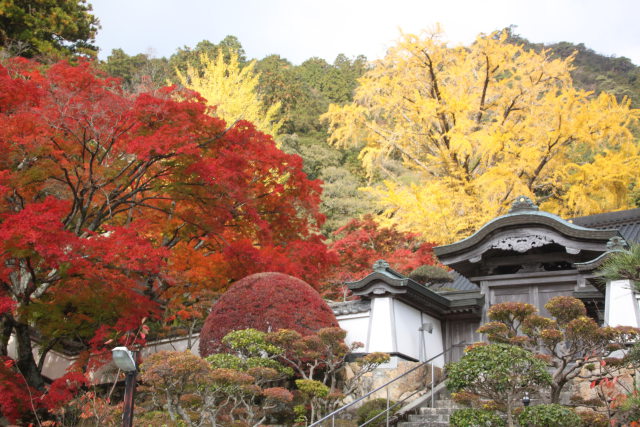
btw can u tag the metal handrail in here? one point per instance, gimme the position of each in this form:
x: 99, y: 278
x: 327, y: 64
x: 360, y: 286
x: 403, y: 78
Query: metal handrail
x: 429, y: 361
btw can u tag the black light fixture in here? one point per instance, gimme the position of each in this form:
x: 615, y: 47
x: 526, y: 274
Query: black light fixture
x: 426, y: 327
x: 526, y: 400
x: 125, y: 360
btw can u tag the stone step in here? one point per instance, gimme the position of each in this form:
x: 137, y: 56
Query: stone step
x: 447, y: 403
x: 436, y: 411
x: 424, y: 424
x: 432, y: 416
x: 438, y: 418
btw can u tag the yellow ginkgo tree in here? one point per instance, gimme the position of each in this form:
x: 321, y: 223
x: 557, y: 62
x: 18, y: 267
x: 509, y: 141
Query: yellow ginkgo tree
x: 232, y: 90
x: 482, y: 124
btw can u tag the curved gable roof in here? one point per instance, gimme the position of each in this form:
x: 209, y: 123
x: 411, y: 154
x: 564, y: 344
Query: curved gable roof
x: 524, y: 213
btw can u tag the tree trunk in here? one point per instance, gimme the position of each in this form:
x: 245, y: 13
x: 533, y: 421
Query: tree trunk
x: 555, y: 392
x: 509, y: 414
x: 25, y: 360
x: 6, y: 328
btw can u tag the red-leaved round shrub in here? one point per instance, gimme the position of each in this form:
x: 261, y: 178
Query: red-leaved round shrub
x: 266, y: 302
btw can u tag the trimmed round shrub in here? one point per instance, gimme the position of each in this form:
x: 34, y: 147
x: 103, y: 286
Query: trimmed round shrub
x: 266, y: 302
x: 549, y: 415
x: 476, y: 418
x: 429, y: 274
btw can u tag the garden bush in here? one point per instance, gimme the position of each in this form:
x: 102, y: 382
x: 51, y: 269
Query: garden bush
x: 498, y: 372
x: 372, y: 408
x: 476, y: 418
x: 549, y: 415
x: 593, y: 419
x: 266, y: 302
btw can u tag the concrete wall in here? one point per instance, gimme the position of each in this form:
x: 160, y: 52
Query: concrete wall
x: 56, y: 364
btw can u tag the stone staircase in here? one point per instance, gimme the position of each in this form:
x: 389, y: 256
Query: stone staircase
x: 438, y: 416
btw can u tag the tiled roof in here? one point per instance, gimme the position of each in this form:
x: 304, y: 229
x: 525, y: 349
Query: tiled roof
x: 626, y: 222
x: 384, y: 281
x: 459, y: 282
x: 350, y: 307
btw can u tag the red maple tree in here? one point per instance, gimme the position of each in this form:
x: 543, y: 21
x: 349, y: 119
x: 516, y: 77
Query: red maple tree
x: 361, y: 242
x: 116, y: 206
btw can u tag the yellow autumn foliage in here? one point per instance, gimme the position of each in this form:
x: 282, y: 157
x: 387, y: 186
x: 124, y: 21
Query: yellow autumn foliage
x: 482, y: 124
x: 232, y: 90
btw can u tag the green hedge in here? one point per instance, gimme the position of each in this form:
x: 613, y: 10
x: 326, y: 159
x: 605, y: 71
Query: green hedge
x: 476, y: 418
x: 551, y: 415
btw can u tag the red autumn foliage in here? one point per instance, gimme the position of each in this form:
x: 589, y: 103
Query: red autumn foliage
x: 63, y: 389
x: 117, y: 206
x: 278, y: 393
x: 266, y: 302
x: 245, y: 257
x: 6, y: 304
x: 14, y: 397
x: 17, y: 402
x: 362, y: 242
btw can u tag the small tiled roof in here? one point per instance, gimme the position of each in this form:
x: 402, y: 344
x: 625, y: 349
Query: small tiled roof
x: 386, y: 281
x: 459, y: 282
x: 462, y: 283
x: 626, y: 222
x: 350, y: 307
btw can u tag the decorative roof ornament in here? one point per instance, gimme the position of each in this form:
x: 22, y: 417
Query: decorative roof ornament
x: 522, y: 204
x: 380, y: 266
x: 617, y: 243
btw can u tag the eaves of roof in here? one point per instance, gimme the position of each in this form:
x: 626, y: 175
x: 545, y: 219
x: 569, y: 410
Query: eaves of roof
x: 413, y: 293
x: 530, y: 218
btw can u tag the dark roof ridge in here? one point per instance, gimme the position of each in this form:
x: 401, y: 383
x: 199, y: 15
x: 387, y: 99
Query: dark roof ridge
x: 615, y: 217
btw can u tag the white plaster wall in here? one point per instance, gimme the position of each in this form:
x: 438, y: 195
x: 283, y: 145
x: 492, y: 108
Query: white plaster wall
x: 411, y: 341
x: 392, y: 326
x: 408, y: 321
x: 357, y: 327
x: 621, y: 304
x: 56, y: 364
x: 174, y: 344
x: 381, y: 336
x: 434, y: 341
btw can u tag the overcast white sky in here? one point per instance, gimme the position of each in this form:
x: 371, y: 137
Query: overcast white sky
x: 300, y: 29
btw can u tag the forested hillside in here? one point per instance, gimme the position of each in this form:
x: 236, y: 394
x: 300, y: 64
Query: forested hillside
x: 595, y: 72
x: 305, y: 92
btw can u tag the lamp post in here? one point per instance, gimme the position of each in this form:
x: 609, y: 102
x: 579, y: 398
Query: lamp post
x: 125, y: 360
x: 526, y: 400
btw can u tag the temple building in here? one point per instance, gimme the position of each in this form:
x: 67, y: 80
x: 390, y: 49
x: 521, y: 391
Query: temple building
x: 526, y: 255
